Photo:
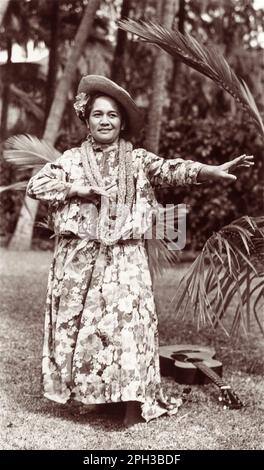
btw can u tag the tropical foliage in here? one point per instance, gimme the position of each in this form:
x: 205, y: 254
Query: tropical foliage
x: 197, y: 106
x: 205, y: 60
x: 198, y: 121
x: 214, y: 140
x: 229, y: 269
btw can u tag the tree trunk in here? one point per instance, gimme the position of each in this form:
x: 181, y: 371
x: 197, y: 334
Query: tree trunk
x: 159, y: 75
x: 6, y: 91
x: 4, y: 167
x: 175, y: 82
x: 62, y: 90
x: 53, y: 56
x: 118, y: 66
x: 22, y: 237
x: 3, y: 8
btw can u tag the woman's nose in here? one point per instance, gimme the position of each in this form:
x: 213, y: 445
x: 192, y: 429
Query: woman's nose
x: 104, y: 119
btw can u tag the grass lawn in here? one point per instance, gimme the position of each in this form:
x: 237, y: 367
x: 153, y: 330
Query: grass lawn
x: 29, y: 421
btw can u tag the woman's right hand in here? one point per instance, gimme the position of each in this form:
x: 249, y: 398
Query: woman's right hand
x: 86, y: 192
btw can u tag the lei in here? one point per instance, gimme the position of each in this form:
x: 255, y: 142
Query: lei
x: 125, y: 193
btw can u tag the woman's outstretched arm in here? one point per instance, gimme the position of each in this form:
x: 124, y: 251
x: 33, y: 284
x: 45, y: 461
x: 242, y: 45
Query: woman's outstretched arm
x: 182, y: 172
x: 225, y: 171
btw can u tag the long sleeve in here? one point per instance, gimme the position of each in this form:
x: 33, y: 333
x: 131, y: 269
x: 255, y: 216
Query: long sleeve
x: 50, y: 183
x: 170, y: 172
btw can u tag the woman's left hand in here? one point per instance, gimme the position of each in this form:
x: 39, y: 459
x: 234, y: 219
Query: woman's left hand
x: 222, y: 172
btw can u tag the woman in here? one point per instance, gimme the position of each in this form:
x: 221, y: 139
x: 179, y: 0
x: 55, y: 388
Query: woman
x: 101, y: 336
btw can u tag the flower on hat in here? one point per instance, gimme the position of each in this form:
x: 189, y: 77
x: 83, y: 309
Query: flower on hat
x: 80, y: 104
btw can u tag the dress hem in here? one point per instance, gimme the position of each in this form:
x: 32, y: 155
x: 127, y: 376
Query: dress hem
x: 159, y: 408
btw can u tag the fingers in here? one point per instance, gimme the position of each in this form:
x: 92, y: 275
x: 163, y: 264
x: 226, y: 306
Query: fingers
x: 243, y: 161
x: 227, y: 176
x: 245, y: 165
x: 230, y: 177
x: 249, y: 157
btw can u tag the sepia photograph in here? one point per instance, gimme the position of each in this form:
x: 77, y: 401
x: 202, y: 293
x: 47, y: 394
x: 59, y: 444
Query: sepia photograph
x: 132, y: 229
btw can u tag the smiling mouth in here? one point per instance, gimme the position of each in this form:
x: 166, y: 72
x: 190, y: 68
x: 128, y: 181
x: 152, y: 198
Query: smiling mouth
x: 105, y: 130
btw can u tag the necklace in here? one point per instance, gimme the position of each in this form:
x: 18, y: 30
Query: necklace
x: 125, y: 192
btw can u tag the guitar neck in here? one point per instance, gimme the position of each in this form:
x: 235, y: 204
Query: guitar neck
x: 228, y: 397
x: 210, y: 373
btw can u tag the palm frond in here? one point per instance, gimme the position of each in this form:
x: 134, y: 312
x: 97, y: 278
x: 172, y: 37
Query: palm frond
x: 160, y: 257
x: 205, y: 60
x: 27, y: 151
x: 19, y: 186
x: 256, y: 308
x: 162, y: 249
x: 229, y: 270
x: 46, y: 224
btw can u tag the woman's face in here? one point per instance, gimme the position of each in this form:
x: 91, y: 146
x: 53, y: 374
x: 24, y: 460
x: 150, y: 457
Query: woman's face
x: 105, y: 120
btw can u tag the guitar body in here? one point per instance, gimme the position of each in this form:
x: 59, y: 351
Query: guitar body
x: 178, y: 361
x: 193, y: 364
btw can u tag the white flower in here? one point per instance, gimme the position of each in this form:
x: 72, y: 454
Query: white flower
x: 126, y: 305
x: 135, y: 286
x: 94, y: 379
x: 125, y: 277
x: 109, y: 292
x: 133, y: 270
x: 105, y: 356
x: 127, y: 360
x: 80, y: 103
x: 130, y: 391
x: 127, y: 336
x: 107, y: 325
x: 89, y: 329
x: 108, y: 274
x: 111, y: 374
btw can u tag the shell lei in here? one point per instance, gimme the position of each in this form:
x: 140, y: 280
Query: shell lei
x: 126, y: 189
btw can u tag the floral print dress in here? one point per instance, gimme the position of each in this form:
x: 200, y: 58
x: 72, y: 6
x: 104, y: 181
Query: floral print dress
x: 101, y: 327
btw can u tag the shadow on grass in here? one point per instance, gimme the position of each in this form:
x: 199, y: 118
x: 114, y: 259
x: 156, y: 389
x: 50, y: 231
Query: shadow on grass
x: 104, y: 417
x: 28, y: 398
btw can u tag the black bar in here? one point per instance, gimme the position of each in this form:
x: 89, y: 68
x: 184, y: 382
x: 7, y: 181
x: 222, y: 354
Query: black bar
x: 119, y: 458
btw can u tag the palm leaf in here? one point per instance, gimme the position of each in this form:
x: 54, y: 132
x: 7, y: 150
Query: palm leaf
x: 205, y: 60
x: 159, y: 256
x: 162, y: 250
x: 229, y: 269
x: 27, y: 151
x: 260, y: 297
x: 19, y: 186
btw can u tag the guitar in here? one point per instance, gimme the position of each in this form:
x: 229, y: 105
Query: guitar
x: 195, y: 364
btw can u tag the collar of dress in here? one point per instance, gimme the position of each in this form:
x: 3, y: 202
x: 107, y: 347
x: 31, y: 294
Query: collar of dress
x: 99, y: 147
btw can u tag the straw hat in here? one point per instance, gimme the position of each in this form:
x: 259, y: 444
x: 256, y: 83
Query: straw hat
x: 91, y: 84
